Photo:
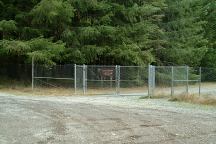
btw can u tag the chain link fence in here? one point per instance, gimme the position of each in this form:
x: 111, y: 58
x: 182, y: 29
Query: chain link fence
x: 53, y: 78
x: 152, y: 81
x: 111, y: 80
x: 133, y: 80
x: 174, y: 81
x: 208, y: 81
x: 101, y: 80
x: 161, y: 78
x: 15, y: 76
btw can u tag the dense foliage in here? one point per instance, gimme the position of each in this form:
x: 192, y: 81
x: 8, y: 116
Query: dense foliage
x: 126, y: 32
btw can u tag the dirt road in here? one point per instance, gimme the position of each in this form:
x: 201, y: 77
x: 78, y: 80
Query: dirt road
x: 101, y: 120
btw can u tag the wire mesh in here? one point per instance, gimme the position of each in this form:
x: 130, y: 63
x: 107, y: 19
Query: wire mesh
x: 176, y: 80
x: 101, y: 79
x: 111, y: 80
x: 208, y: 81
x: 186, y: 80
x: 180, y: 80
x: 133, y: 80
x: 194, y: 83
x: 59, y: 77
x: 15, y: 76
x: 163, y: 81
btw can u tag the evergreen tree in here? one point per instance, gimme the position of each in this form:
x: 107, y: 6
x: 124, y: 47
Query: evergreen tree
x: 185, y: 33
x: 209, y: 15
x: 126, y: 32
x: 117, y: 32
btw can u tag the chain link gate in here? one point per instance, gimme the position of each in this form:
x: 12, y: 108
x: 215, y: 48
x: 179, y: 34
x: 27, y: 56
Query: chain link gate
x: 53, y: 79
x: 111, y: 80
x: 96, y: 80
x: 133, y: 80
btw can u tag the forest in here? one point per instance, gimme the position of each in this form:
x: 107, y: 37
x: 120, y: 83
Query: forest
x: 108, y: 32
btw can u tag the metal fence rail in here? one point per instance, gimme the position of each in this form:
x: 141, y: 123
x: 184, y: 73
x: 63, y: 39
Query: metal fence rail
x: 93, y: 79
x: 152, y: 81
x: 119, y: 80
x: 58, y: 76
x: 133, y: 80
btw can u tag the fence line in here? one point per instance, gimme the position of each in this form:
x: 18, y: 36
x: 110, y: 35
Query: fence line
x: 118, y: 80
x: 112, y: 80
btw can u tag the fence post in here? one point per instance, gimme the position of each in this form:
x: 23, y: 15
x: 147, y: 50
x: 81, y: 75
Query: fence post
x: 149, y: 81
x: 172, y: 82
x: 75, y: 79
x: 153, y: 79
x: 200, y: 80
x: 84, y: 79
x: 117, y: 79
x: 32, y: 73
x: 187, y: 74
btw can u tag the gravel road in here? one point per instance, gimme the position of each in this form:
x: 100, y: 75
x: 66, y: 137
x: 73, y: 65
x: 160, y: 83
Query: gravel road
x: 103, y: 120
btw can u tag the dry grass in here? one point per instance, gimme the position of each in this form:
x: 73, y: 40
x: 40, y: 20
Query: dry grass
x: 159, y: 93
x: 195, y: 99
x: 38, y: 92
x: 161, y: 96
x: 134, y: 90
x: 112, y: 91
x: 19, y: 90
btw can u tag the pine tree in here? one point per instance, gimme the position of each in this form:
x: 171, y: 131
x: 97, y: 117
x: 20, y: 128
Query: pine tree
x: 209, y: 15
x: 185, y: 33
x: 116, y: 32
x: 126, y: 32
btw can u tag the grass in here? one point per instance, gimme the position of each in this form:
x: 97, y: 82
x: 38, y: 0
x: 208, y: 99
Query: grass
x: 38, y: 92
x: 161, y: 96
x: 195, y: 99
x: 183, y: 97
x: 16, y: 87
x: 60, y: 91
x: 22, y: 88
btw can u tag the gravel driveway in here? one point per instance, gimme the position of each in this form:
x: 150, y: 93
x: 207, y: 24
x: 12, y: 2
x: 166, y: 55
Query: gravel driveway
x: 103, y: 120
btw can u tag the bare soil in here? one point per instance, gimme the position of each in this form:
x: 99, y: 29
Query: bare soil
x: 103, y: 120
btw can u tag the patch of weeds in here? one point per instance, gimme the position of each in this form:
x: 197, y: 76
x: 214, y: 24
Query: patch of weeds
x: 155, y: 97
x: 195, y: 99
x: 144, y: 97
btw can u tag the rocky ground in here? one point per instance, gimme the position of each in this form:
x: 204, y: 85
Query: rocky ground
x: 103, y: 120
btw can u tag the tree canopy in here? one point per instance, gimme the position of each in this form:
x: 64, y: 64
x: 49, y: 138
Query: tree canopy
x: 107, y: 32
